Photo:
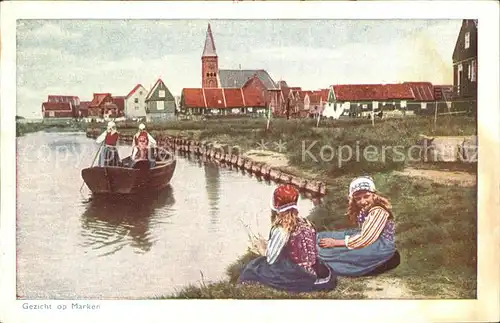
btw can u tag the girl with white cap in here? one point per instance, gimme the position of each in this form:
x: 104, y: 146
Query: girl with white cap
x: 291, y: 260
x: 370, y: 248
x: 109, y: 154
x: 141, y: 144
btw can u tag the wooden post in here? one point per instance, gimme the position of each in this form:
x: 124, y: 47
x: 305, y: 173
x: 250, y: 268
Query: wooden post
x: 435, y: 114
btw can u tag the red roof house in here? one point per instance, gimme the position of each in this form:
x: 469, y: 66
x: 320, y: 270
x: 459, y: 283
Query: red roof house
x: 57, y: 110
x: 422, y: 91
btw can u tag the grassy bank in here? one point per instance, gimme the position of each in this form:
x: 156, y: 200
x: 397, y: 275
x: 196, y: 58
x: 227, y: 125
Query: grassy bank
x: 25, y: 128
x: 436, y: 222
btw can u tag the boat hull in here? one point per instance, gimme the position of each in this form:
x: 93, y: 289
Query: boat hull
x: 124, y: 180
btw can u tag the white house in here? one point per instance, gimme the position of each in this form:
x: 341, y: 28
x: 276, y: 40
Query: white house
x: 135, y: 105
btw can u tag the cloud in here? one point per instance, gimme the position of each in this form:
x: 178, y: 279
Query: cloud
x: 46, y: 32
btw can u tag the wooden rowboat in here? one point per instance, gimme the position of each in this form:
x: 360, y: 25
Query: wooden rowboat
x: 127, y: 180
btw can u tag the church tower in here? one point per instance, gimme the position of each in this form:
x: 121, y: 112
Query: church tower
x: 209, y: 62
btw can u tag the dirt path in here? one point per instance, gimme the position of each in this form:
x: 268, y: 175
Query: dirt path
x: 441, y: 176
x: 387, y: 288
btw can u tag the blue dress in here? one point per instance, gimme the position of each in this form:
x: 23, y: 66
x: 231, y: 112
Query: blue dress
x: 279, y: 268
x: 358, y: 262
x: 109, y: 156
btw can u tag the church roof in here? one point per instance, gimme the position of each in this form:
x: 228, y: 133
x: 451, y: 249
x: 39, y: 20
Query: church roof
x: 238, y: 78
x: 209, y: 49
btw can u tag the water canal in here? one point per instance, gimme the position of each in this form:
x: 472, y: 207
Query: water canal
x: 68, y: 247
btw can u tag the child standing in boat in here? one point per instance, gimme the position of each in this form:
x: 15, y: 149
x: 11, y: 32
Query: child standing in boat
x: 109, y: 139
x: 291, y: 262
x: 141, y: 145
x: 368, y: 249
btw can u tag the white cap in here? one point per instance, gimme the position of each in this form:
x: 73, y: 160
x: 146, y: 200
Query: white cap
x: 111, y: 124
x: 363, y: 183
x: 142, y: 126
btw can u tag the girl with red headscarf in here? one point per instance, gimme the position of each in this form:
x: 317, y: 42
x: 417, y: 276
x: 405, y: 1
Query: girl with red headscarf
x: 291, y: 259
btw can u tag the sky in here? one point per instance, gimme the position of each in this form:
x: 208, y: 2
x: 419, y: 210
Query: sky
x: 80, y: 57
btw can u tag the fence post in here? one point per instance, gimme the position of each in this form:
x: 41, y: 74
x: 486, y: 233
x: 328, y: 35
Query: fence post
x: 435, y: 114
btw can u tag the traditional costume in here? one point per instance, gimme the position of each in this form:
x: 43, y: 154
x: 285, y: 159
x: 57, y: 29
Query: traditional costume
x: 109, y: 154
x: 291, y: 261
x: 142, y: 143
x: 369, y: 247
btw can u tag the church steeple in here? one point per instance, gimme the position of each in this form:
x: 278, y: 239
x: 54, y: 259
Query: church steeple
x: 209, y: 62
x: 209, y: 50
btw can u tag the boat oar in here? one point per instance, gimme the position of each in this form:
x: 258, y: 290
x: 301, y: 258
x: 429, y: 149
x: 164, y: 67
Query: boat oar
x: 93, y: 161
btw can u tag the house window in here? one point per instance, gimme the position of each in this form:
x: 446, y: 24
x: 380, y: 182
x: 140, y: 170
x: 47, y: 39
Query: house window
x: 51, y: 114
x: 136, y: 100
x: 161, y: 93
x: 403, y: 103
x: 136, y: 108
x: 459, y: 77
x: 159, y: 105
x: 467, y: 40
x: 474, y: 69
x: 140, y: 92
x: 469, y: 72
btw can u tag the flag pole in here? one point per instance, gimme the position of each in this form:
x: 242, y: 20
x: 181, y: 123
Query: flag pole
x: 268, y: 116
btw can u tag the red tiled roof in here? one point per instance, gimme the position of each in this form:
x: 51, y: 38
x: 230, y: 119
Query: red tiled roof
x: 220, y: 98
x: 302, y: 94
x: 234, y: 98
x: 422, y: 91
x: 98, y: 98
x: 84, y: 105
x: 56, y: 106
x: 369, y: 92
x: 120, y: 102
x: 61, y: 98
x: 214, y: 98
x: 254, y: 97
x: 193, y: 98
x: 133, y: 90
x: 322, y: 94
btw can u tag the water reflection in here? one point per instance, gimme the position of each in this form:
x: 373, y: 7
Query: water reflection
x: 212, y: 185
x: 112, y: 224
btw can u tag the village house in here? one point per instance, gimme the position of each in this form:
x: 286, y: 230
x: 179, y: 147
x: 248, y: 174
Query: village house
x: 423, y: 101
x: 247, y: 100
x: 315, y: 102
x: 60, y: 106
x: 119, y: 101
x: 359, y: 100
x: 465, y: 67
x: 160, y: 103
x: 288, y: 100
x: 83, y: 109
x: 135, y: 102
x: 102, y: 107
x: 443, y: 95
x: 213, y: 77
x: 57, y: 110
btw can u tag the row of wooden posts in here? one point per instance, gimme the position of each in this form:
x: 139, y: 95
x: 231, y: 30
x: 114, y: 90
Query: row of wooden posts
x: 224, y: 155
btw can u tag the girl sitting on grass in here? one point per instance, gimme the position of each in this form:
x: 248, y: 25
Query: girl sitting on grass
x: 291, y: 260
x: 370, y: 249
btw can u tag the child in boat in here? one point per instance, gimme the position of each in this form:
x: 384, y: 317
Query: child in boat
x: 141, y: 145
x: 290, y: 262
x: 109, y: 154
x: 368, y: 249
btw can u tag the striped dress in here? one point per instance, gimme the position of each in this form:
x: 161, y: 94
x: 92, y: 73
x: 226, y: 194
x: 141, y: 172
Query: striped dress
x: 367, y: 247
